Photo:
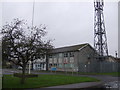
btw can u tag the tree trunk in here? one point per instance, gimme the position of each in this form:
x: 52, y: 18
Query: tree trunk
x: 23, y: 75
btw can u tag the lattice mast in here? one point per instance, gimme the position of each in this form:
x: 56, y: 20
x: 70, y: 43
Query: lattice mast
x: 100, y: 39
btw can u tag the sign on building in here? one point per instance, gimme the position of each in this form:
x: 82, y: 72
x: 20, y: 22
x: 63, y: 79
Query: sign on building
x: 53, y: 68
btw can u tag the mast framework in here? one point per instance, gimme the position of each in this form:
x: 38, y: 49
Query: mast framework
x: 100, y: 39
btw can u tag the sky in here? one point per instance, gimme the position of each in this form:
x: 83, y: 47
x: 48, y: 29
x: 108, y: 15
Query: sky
x: 68, y: 23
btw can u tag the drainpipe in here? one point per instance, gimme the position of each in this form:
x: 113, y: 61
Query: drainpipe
x: 47, y: 61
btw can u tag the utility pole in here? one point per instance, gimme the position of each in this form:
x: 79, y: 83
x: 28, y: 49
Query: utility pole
x: 32, y: 26
x: 100, y: 39
x: 33, y: 13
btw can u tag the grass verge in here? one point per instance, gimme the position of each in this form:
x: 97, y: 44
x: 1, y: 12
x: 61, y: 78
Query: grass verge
x: 9, y: 81
x: 111, y: 74
x: 86, y: 73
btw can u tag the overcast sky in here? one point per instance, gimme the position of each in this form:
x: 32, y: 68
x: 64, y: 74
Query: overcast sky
x: 69, y: 23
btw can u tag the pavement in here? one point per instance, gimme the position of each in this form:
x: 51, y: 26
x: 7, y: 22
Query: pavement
x: 79, y: 85
x: 105, y: 80
x: 72, y: 86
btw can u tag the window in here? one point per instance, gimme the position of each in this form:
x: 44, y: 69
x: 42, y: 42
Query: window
x: 55, y: 65
x: 71, y: 54
x: 50, y: 56
x: 60, y: 60
x: 43, y: 65
x: 50, y: 65
x: 60, y: 55
x: 71, y: 60
x: 39, y: 65
x: 60, y: 66
x: 65, y: 54
x: 50, y: 60
x: 55, y: 60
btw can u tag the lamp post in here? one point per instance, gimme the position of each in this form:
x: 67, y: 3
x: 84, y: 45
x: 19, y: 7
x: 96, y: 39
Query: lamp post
x: 29, y: 66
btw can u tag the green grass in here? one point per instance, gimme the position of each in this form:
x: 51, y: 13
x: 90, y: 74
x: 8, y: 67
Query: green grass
x: 1, y: 83
x: 44, y: 81
x: 87, y: 73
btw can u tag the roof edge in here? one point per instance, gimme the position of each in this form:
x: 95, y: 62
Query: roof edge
x: 83, y: 46
x: 71, y: 45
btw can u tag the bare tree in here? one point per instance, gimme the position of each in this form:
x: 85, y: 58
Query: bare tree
x: 21, y: 43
